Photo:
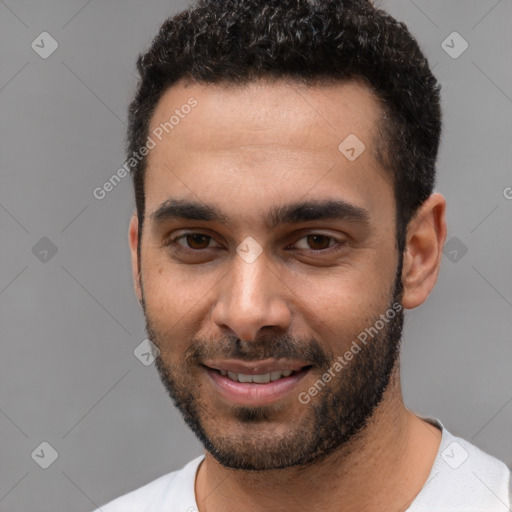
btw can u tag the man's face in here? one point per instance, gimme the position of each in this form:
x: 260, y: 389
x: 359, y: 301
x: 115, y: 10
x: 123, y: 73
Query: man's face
x: 265, y: 249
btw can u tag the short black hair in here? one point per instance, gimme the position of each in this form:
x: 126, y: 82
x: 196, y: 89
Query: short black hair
x: 311, y: 42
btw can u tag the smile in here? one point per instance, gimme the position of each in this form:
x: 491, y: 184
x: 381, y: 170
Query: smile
x: 255, y: 383
x: 259, y: 379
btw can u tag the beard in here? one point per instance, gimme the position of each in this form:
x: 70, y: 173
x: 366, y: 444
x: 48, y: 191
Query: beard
x: 252, y: 438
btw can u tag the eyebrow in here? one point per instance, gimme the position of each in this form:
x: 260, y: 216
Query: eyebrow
x: 302, y: 211
x: 317, y: 210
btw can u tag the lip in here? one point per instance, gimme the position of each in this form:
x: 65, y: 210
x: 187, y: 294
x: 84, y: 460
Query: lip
x: 255, y: 394
x: 256, y: 367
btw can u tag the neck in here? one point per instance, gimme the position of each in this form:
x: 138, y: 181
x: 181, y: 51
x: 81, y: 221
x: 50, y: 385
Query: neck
x: 382, y: 468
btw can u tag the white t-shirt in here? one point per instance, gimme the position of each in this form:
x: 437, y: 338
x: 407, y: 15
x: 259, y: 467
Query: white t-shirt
x: 463, y: 479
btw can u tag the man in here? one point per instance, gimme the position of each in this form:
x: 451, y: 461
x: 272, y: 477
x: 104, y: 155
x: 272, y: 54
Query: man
x: 284, y: 163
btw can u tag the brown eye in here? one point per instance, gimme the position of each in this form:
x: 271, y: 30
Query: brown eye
x: 318, y: 242
x: 198, y: 241
x: 192, y: 242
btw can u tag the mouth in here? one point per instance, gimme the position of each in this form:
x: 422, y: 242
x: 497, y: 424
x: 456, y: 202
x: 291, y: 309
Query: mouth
x: 262, y: 378
x: 257, y: 383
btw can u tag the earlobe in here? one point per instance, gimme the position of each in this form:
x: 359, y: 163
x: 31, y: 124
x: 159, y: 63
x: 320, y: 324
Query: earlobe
x: 425, y: 239
x: 133, y: 240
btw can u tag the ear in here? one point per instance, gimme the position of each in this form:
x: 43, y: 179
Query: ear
x: 133, y: 240
x: 426, y: 234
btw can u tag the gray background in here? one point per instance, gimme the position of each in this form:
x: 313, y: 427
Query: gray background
x: 70, y: 323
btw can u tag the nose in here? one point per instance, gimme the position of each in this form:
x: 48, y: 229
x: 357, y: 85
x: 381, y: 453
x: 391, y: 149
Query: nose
x: 251, y: 298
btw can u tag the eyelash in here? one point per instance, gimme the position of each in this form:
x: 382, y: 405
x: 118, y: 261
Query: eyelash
x: 336, y: 246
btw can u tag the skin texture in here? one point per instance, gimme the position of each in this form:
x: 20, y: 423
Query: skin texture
x: 245, y: 150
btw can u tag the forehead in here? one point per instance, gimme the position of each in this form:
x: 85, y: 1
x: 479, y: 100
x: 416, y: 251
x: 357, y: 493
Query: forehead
x: 258, y: 111
x: 268, y: 137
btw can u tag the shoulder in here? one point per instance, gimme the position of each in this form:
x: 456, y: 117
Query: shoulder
x: 176, y: 487
x: 463, y: 477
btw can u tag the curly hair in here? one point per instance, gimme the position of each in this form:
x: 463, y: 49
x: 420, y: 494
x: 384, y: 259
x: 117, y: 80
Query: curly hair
x: 311, y: 42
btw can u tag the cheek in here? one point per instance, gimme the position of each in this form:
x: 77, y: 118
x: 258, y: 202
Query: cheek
x: 340, y: 305
x: 176, y: 301
x: 335, y: 311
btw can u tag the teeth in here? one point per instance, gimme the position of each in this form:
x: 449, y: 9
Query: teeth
x: 259, y: 379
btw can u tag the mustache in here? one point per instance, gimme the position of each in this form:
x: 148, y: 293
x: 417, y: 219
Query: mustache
x: 275, y: 347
